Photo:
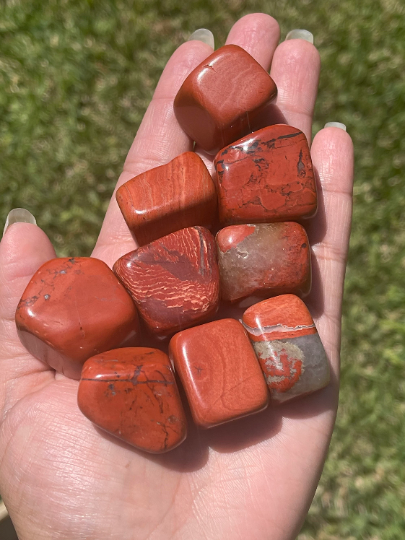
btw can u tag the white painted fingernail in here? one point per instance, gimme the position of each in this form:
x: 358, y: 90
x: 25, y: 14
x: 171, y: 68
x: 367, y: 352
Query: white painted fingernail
x: 204, y: 35
x: 18, y: 215
x: 336, y: 124
x: 300, y: 33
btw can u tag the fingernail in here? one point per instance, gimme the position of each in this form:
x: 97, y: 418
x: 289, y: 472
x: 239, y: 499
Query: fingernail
x: 336, y: 124
x: 300, y: 33
x: 18, y: 215
x: 204, y: 35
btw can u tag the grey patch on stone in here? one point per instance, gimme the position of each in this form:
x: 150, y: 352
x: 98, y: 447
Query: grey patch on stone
x: 315, y: 364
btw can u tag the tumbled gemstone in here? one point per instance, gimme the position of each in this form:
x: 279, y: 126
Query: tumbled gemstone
x: 174, y: 281
x: 266, y: 176
x: 73, y: 309
x: 219, y: 372
x: 263, y: 260
x: 132, y: 394
x: 217, y: 101
x: 168, y: 198
x: 288, y: 347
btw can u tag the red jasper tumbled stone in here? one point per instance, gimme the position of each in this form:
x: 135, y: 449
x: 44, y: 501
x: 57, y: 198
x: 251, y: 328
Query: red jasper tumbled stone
x: 264, y: 260
x: 132, y: 394
x: 73, y: 309
x: 168, y: 198
x: 266, y: 176
x: 219, y: 372
x: 174, y: 281
x: 216, y: 103
x: 288, y: 347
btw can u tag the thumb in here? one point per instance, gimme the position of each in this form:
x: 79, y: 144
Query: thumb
x: 23, y: 249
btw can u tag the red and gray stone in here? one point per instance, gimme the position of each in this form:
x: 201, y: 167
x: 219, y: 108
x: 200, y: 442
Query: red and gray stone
x: 174, y: 281
x: 288, y: 347
x: 263, y: 260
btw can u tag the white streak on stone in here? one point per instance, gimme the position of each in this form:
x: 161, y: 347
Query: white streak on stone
x: 275, y: 328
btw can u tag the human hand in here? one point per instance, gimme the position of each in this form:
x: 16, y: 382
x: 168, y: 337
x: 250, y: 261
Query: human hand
x: 253, y: 478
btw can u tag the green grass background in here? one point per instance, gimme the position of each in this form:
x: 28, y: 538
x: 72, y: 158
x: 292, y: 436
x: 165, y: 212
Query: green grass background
x: 76, y: 77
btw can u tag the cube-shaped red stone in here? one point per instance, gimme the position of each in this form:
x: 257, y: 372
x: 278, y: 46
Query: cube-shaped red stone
x: 288, y: 347
x: 219, y: 372
x: 73, y: 309
x: 174, y: 281
x: 163, y: 200
x: 217, y: 102
x: 263, y: 260
x: 132, y: 394
x: 266, y: 176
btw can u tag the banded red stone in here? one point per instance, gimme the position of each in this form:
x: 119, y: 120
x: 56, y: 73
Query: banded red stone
x: 165, y: 199
x: 263, y: 260
x: 132, y: 394
x: 288, y: 347
x: 174, y: 281
x: 73, y: 309
x: 218, y: 100
x: 266, y: 176
x: 219, y: 372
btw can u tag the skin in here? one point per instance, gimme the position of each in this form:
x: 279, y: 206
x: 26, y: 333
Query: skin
x: 61, y: 478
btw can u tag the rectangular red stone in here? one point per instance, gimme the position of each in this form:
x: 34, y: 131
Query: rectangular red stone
x: 215, y: 103
x: 219, y: 372
x: 168, y: 198
x: 266, y: 176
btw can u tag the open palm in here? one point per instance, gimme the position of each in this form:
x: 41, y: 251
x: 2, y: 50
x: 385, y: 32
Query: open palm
x: 61, y: 478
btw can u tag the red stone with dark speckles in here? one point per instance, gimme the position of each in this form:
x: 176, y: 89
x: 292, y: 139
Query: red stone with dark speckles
x: 132, y: 394
x: 219, y: 372
x: 174, y: 281
x: 217, y: 102
x: 266, y: 176
x: 168, y: 198
x: 73, y: 309
x: 272, y: 259
x: 288, y: 347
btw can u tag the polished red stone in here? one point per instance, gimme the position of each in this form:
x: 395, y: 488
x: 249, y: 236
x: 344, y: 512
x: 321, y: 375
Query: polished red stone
x: 168, y: 198
x: 132, y: 394
x: 266, y: 176
x: 288, y: 347
x: 216, y: 102
x: 174, y: 281
x: 219, y: 372
x: 73, y: 309
x: 263, y: 260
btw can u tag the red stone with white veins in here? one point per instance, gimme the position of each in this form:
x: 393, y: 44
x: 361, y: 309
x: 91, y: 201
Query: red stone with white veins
x: 288, y: 346
x: 174, y: 281
x: 266, y: 176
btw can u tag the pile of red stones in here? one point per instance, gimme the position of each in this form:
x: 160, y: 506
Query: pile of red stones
x: 83, y: 319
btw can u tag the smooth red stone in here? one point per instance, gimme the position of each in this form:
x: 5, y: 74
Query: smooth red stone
x: 218, y: 100
x: 272, y: 259
x: 132, y: 394
x: 288, y: 347
x: 174, y: 281
x: 281, y: 317
x: 73, y: 309
x: 168, y: 198
x: 219, y: 372
x: 266, y: 176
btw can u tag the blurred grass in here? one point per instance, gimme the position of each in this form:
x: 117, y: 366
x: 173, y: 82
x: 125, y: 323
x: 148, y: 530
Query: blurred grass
x: 76, y: 79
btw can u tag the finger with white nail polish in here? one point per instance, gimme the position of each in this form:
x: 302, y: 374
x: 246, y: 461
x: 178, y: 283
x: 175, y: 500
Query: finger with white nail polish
x: 18, y: 215
x: 204, y: 35
x: 300, y: 33
x: 336, y: 125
